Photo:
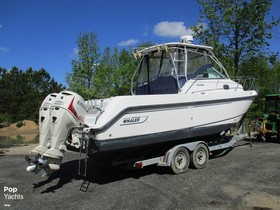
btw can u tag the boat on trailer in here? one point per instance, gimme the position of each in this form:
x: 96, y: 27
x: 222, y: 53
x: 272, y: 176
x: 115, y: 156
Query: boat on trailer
x: 180, y: 93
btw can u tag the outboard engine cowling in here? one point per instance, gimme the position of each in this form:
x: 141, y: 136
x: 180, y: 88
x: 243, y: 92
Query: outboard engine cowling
x: 59, y: 114
x: 67, y: 112
x: 44, y: 125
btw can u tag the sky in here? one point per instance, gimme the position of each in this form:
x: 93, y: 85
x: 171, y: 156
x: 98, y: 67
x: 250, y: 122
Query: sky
x: 43, y: 34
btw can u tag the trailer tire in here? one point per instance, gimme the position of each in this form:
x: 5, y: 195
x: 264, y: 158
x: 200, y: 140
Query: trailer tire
x: 180, y: 160
x: 200, y: 156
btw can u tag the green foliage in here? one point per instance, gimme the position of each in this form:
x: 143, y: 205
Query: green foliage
x: 19, y: 124
x: 267, y: 78
x: 22, y: 93
x: 80, y: 79
x: 275, y: 83
x: 237, y: 29
x: 5, y: 118
x: 108, y: 74
x: 113, y: 75
x: 267, y: 75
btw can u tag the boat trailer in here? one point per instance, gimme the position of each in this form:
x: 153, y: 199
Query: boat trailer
x: 177, y: 158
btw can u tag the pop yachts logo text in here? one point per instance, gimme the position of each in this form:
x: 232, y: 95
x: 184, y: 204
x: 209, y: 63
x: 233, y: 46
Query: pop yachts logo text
x: 134, y: 120
x: 10, y: 193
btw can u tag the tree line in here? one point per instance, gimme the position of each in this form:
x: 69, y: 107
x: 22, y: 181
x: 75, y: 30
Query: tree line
x: 100, y: 75
x: 238, y: 30
x: 93, y: 75
x: 22, y: 93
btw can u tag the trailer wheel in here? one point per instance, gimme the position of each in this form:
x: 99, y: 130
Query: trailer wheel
x: 200, y: 156
x: 180, y: 160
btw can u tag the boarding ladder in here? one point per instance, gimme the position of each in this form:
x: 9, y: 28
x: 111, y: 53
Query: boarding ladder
x: 83, y: 158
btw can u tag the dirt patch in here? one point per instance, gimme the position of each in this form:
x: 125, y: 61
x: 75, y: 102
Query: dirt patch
x: 27, y: 127
x: 27, y: 133
x: 253, y: 199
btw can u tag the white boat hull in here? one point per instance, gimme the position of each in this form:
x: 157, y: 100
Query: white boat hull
x: 136, y: 121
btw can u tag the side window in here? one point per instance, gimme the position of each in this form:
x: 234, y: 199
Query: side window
x: 213, y: 74
x: 208, y: 71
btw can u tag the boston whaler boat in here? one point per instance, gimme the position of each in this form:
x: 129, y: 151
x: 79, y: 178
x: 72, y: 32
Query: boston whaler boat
x: 181, y: 94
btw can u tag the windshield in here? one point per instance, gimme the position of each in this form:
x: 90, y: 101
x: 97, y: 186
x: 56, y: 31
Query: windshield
x: 167, y: 71
x: 201, y: 65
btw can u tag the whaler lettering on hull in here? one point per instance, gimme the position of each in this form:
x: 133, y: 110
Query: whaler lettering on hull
x: 133, y: 120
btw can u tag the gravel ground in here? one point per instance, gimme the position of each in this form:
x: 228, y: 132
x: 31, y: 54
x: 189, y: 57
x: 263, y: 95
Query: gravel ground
x: 245, y: 178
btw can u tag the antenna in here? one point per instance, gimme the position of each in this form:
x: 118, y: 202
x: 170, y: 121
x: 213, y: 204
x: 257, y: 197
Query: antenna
x: 187, y: 39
